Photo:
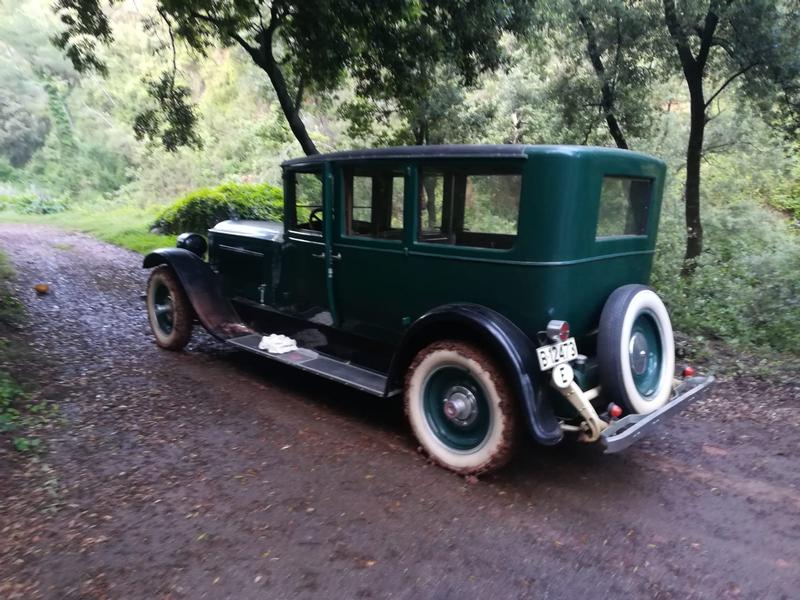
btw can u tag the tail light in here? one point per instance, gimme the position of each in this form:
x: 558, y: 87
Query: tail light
x: 558, y: 331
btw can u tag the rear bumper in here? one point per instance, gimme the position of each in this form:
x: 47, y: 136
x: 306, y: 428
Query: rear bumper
x: 621, y: 434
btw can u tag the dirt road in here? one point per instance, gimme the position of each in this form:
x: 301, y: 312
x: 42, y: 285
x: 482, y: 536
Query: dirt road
x: 212, y: 474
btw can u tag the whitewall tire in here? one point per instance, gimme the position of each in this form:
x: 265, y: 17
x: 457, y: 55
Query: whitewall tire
x: 461, y: 408
x: 636, y: 350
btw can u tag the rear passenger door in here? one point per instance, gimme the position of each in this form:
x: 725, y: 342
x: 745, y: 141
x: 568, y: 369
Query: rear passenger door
x: 369, y: 246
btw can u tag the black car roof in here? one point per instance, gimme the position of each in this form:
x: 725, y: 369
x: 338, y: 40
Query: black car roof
x: 507, y: 151
x: 406, y: 152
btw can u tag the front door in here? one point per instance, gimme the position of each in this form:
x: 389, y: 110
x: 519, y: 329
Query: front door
x: 303, y: 289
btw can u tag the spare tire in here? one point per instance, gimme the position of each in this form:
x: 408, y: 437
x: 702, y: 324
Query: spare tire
x: 636, y: 350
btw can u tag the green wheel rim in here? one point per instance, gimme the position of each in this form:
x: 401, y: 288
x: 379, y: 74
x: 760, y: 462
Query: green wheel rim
x: 646, y: 353
x: 456, y: 385
x: 163, y: 308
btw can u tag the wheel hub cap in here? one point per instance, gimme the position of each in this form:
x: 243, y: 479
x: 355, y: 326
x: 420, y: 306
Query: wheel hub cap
x: 460, y: 406
x: 638, y: 350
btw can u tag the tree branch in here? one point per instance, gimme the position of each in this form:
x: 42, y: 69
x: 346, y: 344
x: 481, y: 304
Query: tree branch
x: 728, y: 81
x: 263, y: 57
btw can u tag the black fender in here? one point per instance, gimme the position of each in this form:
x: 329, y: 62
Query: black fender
x: 506, y: 341
x: 202, y: 286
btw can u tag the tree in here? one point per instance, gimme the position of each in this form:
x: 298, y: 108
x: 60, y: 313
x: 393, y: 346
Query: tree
x: 21, y: 131
x: 304, y: 47
x: 751, y: 46
x: 752, y: 43
x: 601, y: 79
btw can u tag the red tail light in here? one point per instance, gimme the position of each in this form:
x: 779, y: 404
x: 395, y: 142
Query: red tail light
x: 558, y: 330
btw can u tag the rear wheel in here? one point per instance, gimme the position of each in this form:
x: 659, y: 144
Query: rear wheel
x: 461, y: 408
x: 168, y: 309
x: 636, y: 350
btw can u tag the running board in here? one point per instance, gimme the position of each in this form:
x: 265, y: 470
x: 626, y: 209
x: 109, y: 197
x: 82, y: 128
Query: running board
x: 320, y: 364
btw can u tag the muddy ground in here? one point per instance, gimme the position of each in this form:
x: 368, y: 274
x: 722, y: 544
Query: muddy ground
x: 212, y: 474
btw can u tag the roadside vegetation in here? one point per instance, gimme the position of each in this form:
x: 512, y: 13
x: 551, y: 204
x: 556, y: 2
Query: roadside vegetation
x: 69, y: 157
x: 20, y: 414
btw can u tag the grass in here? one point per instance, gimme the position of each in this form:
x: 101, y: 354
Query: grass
x: 125, y: 226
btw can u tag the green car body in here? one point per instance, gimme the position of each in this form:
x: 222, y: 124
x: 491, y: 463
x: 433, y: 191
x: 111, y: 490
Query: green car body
x: 558, y: 267
x: 385, y: 254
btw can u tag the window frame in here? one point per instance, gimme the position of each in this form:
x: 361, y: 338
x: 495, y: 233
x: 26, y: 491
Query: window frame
x: 347, y: 174
x: 290, y: 187
x: 647, y: 221
x: 467, y: 169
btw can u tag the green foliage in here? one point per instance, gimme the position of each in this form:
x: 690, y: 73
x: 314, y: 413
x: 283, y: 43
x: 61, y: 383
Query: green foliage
x: 173, y: 119
x: 31, y: 204
x: 17, y: 413
x: 204, y: 208
x: 745, y: 290
x: 10, y: 307
x: 390, y: 49
x: 10, y: 394
x: 20, y: 415
x: 788, y: 201
x: 22, y: 131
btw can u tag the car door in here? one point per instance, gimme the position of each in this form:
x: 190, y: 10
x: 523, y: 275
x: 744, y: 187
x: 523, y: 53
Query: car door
x: 303, y: 289
x: 369, y: 244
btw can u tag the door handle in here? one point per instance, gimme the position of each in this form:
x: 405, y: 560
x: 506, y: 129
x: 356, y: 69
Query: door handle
x: 321, y: 255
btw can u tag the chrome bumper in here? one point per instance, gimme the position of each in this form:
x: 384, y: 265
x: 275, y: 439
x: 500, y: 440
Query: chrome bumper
x: 621, y: 434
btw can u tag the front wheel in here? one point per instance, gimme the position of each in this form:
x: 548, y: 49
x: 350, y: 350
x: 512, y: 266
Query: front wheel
x: 461, y: 408
x: 168, y: 309
x: 636, y: 350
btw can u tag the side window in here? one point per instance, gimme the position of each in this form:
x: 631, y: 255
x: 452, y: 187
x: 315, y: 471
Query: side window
x: 477, y: 208
x: 307, y: 214
x: 624, y: 206
x: 374, y: 203
x: 491, y: 203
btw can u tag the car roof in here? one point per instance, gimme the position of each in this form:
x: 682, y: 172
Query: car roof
x: 507, y: 151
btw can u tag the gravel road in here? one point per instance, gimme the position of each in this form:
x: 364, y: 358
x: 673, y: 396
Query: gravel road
x: 210, y: 473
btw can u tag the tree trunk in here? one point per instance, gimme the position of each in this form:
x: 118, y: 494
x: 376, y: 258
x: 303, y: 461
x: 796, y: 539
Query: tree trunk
x: 263, y: 57
x: 694, y: 71
x: 291, y: 110
x: 606, y: 93
x: 694, y: 153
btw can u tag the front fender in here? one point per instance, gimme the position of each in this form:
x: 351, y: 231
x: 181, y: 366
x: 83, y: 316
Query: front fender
x: 505, y: 341
x: 201, y: 284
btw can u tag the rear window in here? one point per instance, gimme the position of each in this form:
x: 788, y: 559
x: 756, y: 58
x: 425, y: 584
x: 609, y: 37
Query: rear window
x: 624, y: 206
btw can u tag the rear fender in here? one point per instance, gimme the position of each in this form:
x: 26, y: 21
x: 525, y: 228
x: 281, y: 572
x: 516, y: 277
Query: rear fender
x: 503, y: 339
x: 201, y: 284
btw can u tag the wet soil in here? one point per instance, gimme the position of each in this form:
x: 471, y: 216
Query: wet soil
x: 210, y: 473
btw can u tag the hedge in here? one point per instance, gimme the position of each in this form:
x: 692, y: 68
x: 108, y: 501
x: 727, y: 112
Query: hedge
x: 203, y: 208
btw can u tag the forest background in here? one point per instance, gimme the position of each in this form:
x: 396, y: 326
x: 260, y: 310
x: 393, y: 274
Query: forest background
x: 70, y: 156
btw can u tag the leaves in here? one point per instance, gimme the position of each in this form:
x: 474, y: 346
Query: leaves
x: 173, y: 118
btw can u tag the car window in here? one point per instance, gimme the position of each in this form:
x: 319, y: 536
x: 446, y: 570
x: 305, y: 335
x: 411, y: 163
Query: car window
x: 374, y: 203
x: 477, y: 208
x: 307, y: 214
x: 624, y: 206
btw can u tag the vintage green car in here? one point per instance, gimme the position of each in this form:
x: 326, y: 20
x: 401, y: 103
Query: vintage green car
x: 495, y: 287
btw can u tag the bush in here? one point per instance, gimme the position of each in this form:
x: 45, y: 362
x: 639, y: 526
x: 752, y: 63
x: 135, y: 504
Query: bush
x: 31, y: 204
x: 745, y: 289
x: 202, y: 209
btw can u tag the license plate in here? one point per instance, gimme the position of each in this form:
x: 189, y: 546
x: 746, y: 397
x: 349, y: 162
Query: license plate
x: 556, y: 354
